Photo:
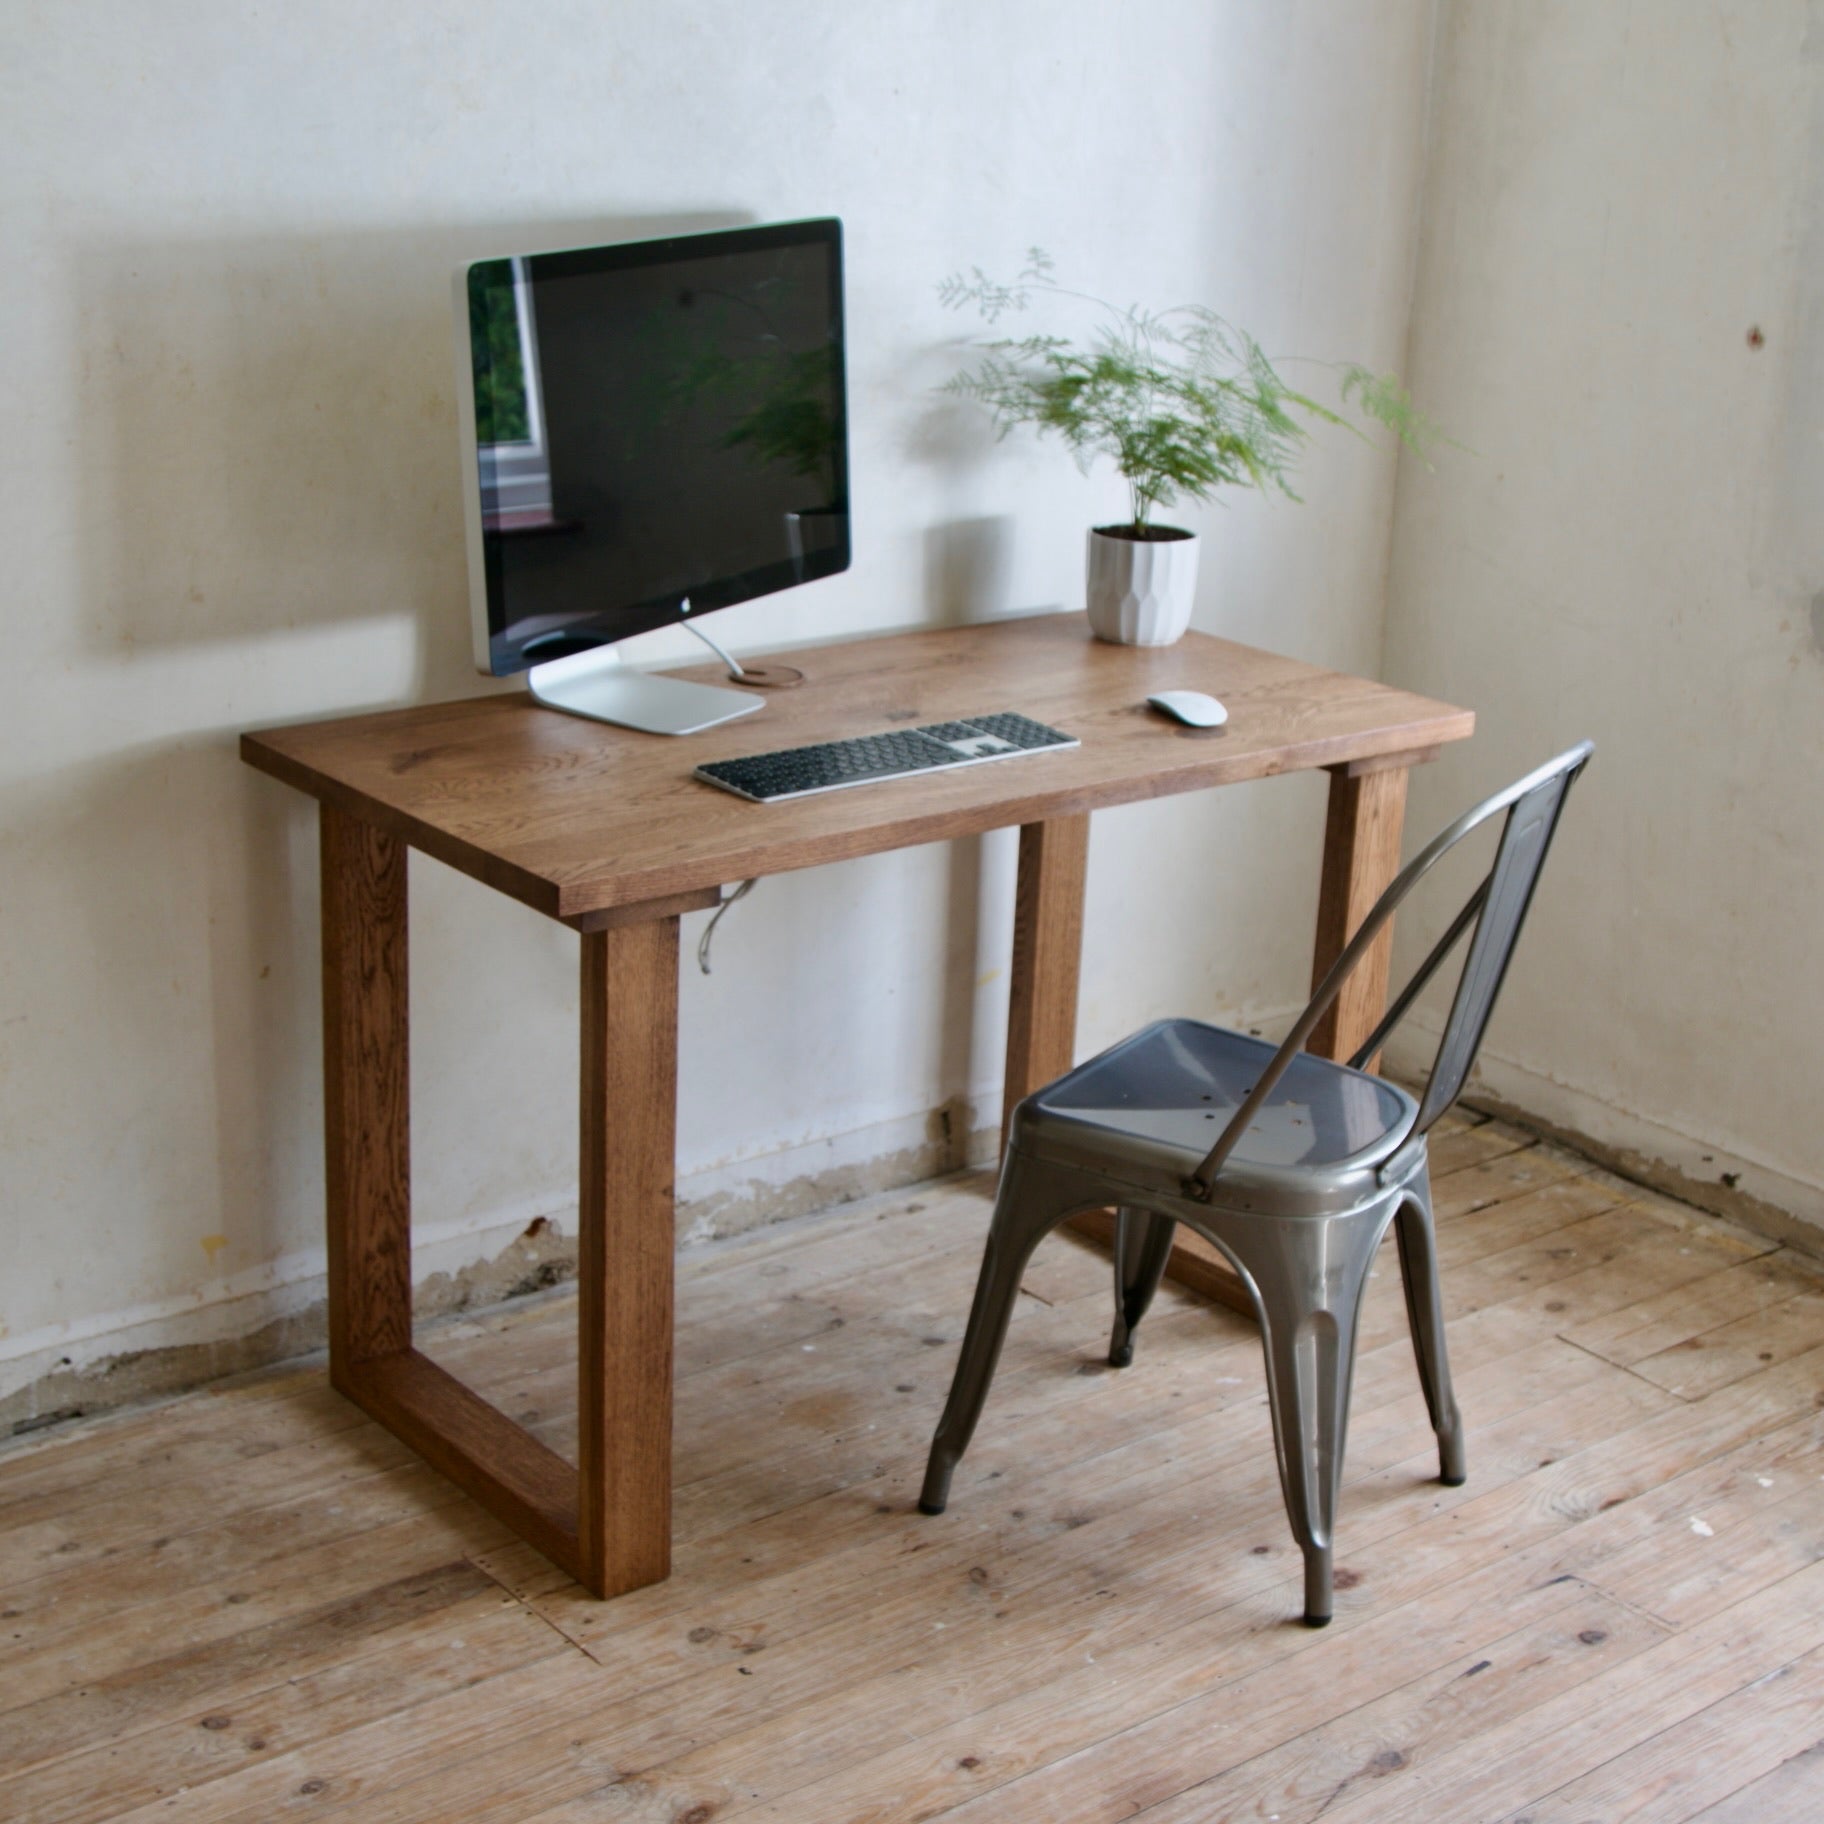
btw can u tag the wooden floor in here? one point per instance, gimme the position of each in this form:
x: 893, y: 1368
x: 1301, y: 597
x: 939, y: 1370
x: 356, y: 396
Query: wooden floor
x: 253, y: 1604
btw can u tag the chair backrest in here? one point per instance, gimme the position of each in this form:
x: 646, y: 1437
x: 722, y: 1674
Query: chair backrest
x: 1496, y: 909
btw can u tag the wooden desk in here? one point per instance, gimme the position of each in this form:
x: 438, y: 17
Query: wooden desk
x: 606, y: 831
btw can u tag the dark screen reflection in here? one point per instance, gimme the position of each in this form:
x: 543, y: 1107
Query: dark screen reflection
x: 655, y: 422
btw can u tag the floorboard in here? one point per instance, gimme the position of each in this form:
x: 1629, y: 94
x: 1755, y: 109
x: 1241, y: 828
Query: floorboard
x: 252, y: 1600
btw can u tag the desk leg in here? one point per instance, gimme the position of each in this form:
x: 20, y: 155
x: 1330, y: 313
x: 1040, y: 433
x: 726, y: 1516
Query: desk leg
x: 1047, y: 957
x: 1042, y: 1018
x: 1361, y: 856
x: 1047, y: 963
x: 366, y: 1094
x: 626, y: 1244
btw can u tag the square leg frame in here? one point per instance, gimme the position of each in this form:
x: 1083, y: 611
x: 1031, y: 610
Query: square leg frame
x: 606, y: 1520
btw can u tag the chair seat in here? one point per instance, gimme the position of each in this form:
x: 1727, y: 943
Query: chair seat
x: 1168, y: 1092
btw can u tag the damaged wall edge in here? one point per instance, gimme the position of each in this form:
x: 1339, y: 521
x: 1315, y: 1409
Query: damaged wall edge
x: 172, y: 1353
x: 495, y: 1262
x: 1706, y: 1175
x: 1722, y: 1196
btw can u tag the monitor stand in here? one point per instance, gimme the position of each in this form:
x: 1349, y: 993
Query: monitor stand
x: 596, y: 684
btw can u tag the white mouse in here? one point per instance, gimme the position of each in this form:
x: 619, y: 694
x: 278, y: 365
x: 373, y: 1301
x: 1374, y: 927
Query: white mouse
x: 1190, y: 706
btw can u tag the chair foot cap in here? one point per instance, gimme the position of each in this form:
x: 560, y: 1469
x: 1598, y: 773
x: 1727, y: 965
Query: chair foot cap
x: 932, y: 1507
x: 1317, y: 1621
x: 1453, y: 1481
x: 1122, y: 1357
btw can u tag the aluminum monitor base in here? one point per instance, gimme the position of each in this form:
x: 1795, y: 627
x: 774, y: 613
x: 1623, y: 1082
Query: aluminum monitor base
x: 597, y: 685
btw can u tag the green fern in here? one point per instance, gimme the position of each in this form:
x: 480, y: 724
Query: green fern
x: 1181, y: 401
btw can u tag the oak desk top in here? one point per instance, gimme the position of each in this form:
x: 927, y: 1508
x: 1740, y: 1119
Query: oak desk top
x: 578, y: 819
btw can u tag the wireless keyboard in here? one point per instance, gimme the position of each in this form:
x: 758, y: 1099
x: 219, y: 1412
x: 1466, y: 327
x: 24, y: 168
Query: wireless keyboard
x: 797, y: 772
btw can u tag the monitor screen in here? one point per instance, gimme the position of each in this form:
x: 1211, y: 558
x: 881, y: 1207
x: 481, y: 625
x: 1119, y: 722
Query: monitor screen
x: 650, y: 423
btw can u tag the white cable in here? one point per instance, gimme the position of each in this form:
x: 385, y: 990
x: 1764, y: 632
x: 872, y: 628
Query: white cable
x: 715, y: 646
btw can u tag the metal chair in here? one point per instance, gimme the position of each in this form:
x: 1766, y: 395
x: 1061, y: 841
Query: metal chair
x: 1310, y: 1164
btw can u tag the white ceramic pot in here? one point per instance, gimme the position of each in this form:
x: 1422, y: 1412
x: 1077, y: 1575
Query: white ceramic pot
x: 1141, y: 590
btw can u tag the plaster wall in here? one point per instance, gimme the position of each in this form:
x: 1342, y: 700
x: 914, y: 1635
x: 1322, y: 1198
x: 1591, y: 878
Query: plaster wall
x: 229, y: 497
x: 1620, y: 310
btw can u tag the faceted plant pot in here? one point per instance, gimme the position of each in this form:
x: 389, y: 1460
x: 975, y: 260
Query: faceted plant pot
x: 1141, y: 589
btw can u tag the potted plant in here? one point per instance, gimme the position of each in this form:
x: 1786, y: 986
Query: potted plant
x: 1181, y: 401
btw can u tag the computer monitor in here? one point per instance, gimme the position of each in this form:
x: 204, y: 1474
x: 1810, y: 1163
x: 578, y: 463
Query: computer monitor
x: 651, y: 431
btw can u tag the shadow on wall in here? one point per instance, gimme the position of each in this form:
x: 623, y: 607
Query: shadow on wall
x: 968, y: 567
x: 162, y: 896
x: 270, y: 431
x: 266, y: 446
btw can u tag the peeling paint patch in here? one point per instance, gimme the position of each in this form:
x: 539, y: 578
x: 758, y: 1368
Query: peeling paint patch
x: 950, y: 1144
x: 540, y: 1257
x: 1734, y: 1204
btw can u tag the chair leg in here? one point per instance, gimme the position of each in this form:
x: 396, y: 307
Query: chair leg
x: 1033, y: 1199
x: 1309, y: 1277
x: 1425, y: 1312
x: 1143, y: 1244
